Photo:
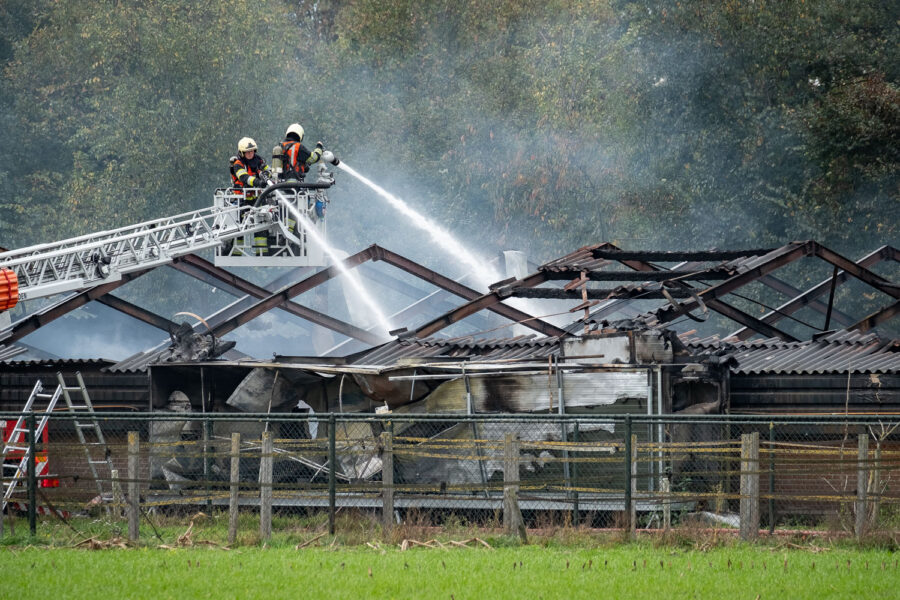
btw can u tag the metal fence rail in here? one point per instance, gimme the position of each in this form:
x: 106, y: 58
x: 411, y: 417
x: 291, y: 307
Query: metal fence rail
x: 839, y: 473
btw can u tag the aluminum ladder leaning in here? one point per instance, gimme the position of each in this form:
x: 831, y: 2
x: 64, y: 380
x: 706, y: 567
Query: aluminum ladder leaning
x: 18, y: 446
x: 96, y: 451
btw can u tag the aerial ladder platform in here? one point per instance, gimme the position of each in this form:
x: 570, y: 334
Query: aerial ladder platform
x: 232, y: 226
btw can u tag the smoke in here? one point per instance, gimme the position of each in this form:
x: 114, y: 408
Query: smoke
x: 511, y: 127
x: 100, y: 331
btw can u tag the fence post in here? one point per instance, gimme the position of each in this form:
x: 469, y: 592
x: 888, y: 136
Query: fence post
x: 628, y: 505
x: 862, y: 482
x: 134, y: 498
x: 32, y: 475
x: 332, y: 474
x: 265, y: 487
x: 875, y: 487
x: 235, y: 480
x: 665, y: 488
x: 512, y: 516
x: 387, y: 482
x: 576, y: 517
x: 117, y: 493
x: 771, y: 477
x: 207, y: 461
x: 750, y: 486
x: 632, y: 516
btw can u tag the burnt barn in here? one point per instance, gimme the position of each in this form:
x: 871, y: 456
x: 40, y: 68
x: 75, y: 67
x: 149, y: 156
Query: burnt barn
x: 658, y: 342
x: 601, y: 331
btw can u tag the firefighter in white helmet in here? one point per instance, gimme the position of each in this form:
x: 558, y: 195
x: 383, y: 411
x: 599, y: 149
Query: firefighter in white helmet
x: 295, y: 157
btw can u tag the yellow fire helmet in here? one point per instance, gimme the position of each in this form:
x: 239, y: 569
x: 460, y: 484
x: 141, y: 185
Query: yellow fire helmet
x: 246, y: 144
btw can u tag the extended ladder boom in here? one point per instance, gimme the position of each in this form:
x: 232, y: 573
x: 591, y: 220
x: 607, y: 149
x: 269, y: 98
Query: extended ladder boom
x: 96, y: 258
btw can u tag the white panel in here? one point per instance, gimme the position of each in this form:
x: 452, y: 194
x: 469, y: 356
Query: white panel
x: 597, y: 350
x: 527, y: 393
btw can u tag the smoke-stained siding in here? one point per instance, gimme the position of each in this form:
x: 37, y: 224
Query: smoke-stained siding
x: 601, y: 392
x: 114, y: 391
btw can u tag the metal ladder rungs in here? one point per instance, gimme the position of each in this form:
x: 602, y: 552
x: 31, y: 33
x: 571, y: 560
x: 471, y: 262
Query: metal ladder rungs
x: 25, y: 450
x: 94, y: 445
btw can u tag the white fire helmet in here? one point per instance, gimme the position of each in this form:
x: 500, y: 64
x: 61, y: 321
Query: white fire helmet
x: 296, y: 129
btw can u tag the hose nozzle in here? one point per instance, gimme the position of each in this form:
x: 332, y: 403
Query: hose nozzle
x: 329, y: 157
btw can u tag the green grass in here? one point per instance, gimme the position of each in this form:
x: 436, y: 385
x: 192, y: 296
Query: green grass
x: 624, y: 571
x: 560, y: 562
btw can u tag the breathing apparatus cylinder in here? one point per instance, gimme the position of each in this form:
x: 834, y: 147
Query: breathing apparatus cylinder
x: 278, y: 160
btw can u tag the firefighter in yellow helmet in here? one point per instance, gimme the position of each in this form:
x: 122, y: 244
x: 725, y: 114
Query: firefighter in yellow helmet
x: 249, y: 173
x: 249, y: 170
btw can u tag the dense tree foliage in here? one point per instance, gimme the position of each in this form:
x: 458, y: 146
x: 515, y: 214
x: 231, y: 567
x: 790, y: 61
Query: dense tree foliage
x: 543, y: 125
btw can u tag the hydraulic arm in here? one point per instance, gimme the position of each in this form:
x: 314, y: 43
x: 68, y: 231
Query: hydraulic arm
x: 97, y: 258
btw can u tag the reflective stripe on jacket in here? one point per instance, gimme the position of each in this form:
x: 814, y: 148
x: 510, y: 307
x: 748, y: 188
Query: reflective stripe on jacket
x: 244, y: 168
x: 297, y: 159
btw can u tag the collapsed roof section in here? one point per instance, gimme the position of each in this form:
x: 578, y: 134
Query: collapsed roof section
x: 838, y: 352
x: 764, y: 291
x: 733, y: 284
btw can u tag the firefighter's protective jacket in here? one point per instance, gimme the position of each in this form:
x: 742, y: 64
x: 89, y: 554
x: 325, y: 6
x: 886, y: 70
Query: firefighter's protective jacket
x: 243, y: 169
x: 297, y: 159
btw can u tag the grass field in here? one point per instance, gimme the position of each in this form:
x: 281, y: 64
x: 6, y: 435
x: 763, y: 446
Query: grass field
x: 625, y: 571
x: 557, y: 563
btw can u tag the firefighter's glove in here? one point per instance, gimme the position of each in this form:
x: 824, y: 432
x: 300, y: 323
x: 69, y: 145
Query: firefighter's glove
x: 320, y: 145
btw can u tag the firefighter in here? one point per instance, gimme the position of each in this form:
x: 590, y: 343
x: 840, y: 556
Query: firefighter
x: 296, y: 158
x: 248, y: 171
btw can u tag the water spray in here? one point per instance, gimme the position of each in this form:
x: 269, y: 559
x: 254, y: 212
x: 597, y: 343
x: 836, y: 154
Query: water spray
x: 310, y: 229
x: 484, y: 274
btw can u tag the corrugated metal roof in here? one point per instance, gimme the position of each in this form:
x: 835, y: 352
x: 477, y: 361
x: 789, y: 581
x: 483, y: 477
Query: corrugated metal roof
x: 48, y: 362
x: 141, y: 361
x: 839, y: 352
x: 583, y: 260
x: 580, y: 260
x: 836, y: 352
x: 521, y: 347
x: 136, y: 362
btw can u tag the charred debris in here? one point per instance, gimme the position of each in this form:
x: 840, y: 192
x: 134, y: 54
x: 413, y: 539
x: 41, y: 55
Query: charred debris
x: 795, y: 329
x: 633, y: 347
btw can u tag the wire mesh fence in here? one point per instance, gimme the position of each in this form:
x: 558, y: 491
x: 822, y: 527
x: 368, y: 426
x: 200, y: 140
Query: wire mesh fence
x: 839, y: 474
